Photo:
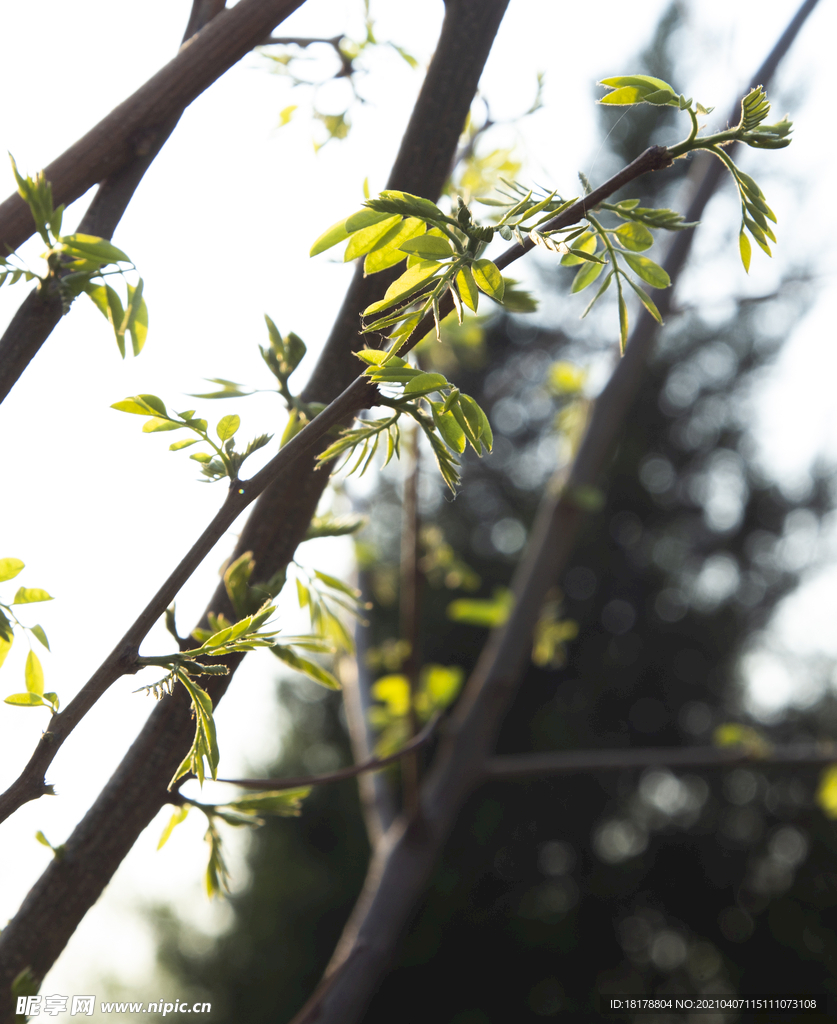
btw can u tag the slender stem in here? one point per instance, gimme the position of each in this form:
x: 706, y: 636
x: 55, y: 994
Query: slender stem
x: 371, y: 765
x: 705, y: 141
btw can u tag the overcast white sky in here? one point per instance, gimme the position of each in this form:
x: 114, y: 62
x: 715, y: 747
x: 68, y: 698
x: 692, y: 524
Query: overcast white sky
x: 220, y: 229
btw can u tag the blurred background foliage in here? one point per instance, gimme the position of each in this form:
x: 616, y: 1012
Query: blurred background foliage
x: 720, y: 881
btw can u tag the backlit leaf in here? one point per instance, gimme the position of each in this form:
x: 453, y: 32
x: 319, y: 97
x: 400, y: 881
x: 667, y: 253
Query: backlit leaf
x: 9, y: 568
x: 34, y: 674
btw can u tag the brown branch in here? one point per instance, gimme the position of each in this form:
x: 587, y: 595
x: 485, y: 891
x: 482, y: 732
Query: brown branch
x: 401, y: 865
x: 566, y: 762
x: 370, y: 765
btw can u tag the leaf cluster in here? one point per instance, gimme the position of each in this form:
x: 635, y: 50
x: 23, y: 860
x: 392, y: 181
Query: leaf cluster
x: 34, y: 695
x: 225, y: 463
x: 449, y: 423
x: 249, y: 811
x: 77, y: 262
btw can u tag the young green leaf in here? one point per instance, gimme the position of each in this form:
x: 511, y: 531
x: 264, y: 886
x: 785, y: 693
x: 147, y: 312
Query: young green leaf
x: 745, y: 249
x: 282, y: 803
x: 634, y: 236
x: 387, y: 252
x: 405, y: 286
x: 41, y: 635
x: 363, y: 241
x: 623, y: 319
x: 467, y: 286
x: 335, y: 234
x: 648, y: 270
x: 306, y: 667
x: 9, y: 568
x: 137, y: 317
x: 488, y: 279
x: 5, y: 646
x: 425, y: 384
x: 227, y: 426
x: 91, y: 247
x: 391, y: 201
x: 646, y: 300
x: 34, y: 674
x: 584, y: 244
x: 25, y: 700
x: 586, y: 276
x: 176, y: 818
x: 336, y: 584
x: 429, y: 247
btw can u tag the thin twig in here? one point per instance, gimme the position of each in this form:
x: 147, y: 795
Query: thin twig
x: 566, y: 762
x: 372, y: 765
x: 401, y: 865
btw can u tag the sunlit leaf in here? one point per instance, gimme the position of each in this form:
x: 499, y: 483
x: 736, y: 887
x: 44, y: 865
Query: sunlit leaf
x: 34, y: 674
x: 9, y: 568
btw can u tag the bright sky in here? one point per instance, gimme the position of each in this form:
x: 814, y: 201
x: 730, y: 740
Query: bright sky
x: 220, y: 229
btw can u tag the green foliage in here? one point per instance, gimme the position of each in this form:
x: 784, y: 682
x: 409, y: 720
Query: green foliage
x: 57, y: 851
x: 76, y: 262
x: 34, y: 695
x: 441, y: 566
x: 324, y: 596
x: 755, y: 213
x: 733, y: 734
x: 335, y: 526
x: 448, y: 423
x: 485, y: 613
x: 826, y: 795
x: 249, y: 810
x: 226, y: 461
x: 439, y: 686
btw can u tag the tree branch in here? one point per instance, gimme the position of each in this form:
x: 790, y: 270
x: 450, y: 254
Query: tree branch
x: 566, y: 762
x: 370, y: 765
